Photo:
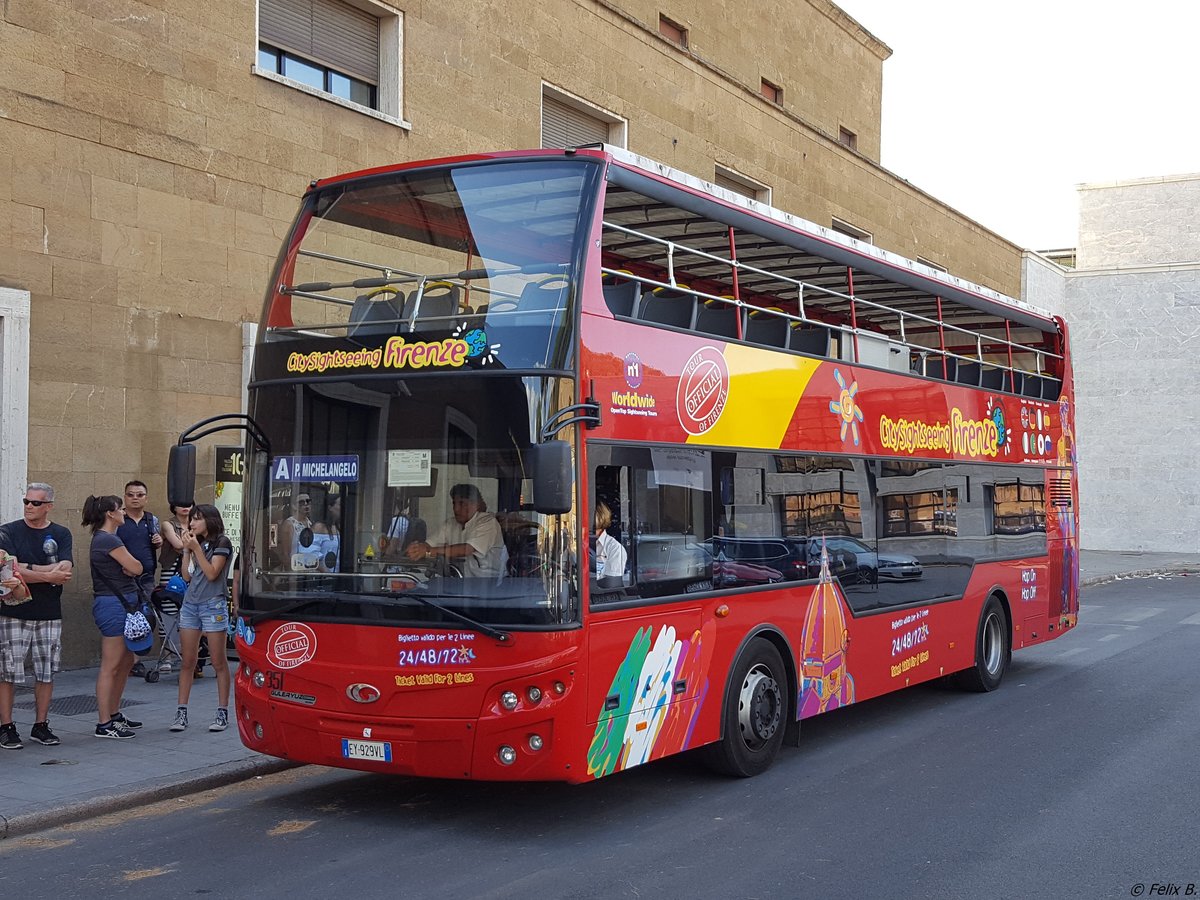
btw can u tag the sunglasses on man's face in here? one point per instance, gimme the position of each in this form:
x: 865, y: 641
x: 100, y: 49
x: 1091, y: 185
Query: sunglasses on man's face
x: 29, y: 502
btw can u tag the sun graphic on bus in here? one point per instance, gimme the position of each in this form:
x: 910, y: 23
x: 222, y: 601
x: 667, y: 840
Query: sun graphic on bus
x: 477, y: 343
x: 846, y: 408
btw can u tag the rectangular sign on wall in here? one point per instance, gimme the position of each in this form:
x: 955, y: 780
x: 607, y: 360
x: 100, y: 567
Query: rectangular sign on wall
x: 228, y: 500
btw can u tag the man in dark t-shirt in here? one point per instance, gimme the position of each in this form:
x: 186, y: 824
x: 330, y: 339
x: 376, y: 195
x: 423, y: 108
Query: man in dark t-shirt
x: 43, y: 551
x: 140, y: 533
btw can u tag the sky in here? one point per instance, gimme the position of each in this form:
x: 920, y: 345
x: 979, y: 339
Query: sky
x: 1001, y: 109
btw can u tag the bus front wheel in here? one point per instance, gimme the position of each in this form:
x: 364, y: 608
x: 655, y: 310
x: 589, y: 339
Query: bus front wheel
x: 993, y: 650
x: 755, y: 713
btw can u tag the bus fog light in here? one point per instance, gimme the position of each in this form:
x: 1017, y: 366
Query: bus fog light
x: 534, y: 693
x: 259, y: 679
x: 508, y: 700
x: 535, y: 742
x: 560, y: 688
x: 506, y: 754
x: 245, y: 670
x: 258, y: 730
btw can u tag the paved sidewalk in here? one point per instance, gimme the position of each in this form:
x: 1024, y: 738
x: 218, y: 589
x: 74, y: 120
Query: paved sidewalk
x: 41, y: 787
x: 82, y: 777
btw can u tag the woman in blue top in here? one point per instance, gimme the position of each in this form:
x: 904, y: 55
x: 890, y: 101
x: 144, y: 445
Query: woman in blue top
x: 206, y: 553
x: 113, y: 569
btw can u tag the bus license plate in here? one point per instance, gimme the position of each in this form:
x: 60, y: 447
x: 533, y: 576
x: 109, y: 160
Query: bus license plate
x: 376, y: 751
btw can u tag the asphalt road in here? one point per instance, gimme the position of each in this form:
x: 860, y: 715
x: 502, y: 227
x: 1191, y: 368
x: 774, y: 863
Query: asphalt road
x: 1078, y: 778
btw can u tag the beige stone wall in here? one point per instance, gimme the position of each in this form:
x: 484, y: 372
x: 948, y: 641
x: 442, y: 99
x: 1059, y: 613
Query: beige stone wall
x: 147, y: 178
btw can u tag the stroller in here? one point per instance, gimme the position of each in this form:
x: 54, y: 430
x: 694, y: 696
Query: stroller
x: 166, y: 600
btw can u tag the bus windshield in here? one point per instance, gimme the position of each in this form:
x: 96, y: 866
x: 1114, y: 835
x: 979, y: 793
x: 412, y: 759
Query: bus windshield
x: 406, y: 501
x: 487, y: 252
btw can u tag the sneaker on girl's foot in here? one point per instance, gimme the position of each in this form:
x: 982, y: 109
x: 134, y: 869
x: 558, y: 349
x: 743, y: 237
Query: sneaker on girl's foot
x: 114, y: 730
x: 41, y: 733
x: 221, y: 722
x: 180, y: 723
x: 120, y: 719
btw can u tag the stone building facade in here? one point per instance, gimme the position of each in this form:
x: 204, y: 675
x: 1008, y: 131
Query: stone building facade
x: 1133, y: 304
x: 151, y: 161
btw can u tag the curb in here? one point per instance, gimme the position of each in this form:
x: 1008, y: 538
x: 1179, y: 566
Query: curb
x: 168, y: 788
x: 1160, y: 571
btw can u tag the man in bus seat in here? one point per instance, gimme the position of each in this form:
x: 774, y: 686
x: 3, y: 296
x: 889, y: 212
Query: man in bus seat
x: 471, y: 539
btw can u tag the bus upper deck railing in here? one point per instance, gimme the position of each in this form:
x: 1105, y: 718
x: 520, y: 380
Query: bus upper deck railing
x: 673, y: 304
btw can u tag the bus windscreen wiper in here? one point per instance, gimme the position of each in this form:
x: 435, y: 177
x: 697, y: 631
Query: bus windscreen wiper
x: 502, y: 636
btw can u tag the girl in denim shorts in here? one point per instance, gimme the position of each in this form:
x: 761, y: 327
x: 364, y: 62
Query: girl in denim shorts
x: 206, y: 553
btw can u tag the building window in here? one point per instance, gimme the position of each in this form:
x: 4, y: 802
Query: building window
x: 772, y: 92
x: 740, y: 184
x: 847, y: 138
x: 673, y: 31
x: 843, y: 227
x: 569, y: 121
x: 349, y: 53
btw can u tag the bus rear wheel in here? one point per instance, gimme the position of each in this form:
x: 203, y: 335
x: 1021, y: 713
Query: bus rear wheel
x: 993, y: 650
x: 755, y: 713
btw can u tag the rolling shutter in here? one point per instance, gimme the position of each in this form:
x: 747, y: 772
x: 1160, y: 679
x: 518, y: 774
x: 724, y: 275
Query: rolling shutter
x: 565, y: 126
x: 325, y: 31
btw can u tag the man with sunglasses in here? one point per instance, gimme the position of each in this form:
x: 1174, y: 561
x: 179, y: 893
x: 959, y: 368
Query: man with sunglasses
x: 43, y: 550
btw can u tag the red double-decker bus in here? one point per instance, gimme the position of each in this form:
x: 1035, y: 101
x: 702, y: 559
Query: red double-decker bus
x: 562, y: 462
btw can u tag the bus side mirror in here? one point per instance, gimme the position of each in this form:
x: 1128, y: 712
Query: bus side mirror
x: 181, y: 475
x: 553, y: 477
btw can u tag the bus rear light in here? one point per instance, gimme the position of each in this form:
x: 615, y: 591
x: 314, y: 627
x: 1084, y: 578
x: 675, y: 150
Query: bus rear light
x: 509, y: 700
x: 534, y: 693
x: 506, y: 754
x: 535, y: 742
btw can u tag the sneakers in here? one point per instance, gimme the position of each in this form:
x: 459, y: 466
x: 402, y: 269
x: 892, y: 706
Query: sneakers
x: 41, y: 733
x: 221, y: 722
x: 180, y: 723
x: 120, y: 719
x: 114, y: 730
x: 9, y: 739
x: 199, y: 672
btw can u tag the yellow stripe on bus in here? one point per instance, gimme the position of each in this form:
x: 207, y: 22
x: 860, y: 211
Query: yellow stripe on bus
x: 765, y: 389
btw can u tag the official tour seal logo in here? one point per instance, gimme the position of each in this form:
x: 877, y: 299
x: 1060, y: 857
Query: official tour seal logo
x: 291, y: 645
x: 703, y: 390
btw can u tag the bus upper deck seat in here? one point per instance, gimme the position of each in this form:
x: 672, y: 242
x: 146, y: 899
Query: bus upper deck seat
x: 992, y: 378
x: 943, y: 367
x: 968, y: 373
x: 620, y: 294
x: 717, y: 318
x: 810, y: 339
x: 549, y: 293
x: 767, y: 327
x: 1051, y: 388
x: 435, y: 307
x: 667, y: 306
x: 1014, y: 381
x: 378, y: 312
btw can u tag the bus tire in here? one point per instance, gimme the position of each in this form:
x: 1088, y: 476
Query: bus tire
x: 755, y: 713
x: 993, y: 650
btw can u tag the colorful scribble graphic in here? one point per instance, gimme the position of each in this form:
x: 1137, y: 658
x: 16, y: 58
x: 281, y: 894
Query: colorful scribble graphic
x: 1003, y: 433
x: 645, y: 724
x: 476, y: 340
x: 826, y: 681
x: 846, y: 407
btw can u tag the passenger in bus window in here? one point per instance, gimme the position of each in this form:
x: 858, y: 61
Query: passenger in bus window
x: 610, y: 554
x: 471, y: 539
x: 296, y: 537
x: 327, y: 534
x: 403, y: 529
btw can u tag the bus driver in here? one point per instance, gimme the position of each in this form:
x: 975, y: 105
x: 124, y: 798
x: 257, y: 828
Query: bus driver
x: 471, y: 539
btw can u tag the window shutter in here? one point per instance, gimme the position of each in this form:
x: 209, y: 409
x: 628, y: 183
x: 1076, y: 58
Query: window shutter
x: 325, y: 31
x: 565, y: 126
x: 286, y: 24
x: 721, y: 180
x: 348, y: 39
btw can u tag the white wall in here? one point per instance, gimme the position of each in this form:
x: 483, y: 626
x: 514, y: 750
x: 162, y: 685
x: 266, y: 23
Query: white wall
x: 14, y: 400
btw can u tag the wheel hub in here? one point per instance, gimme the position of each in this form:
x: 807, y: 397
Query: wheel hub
x: 760, y: 707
